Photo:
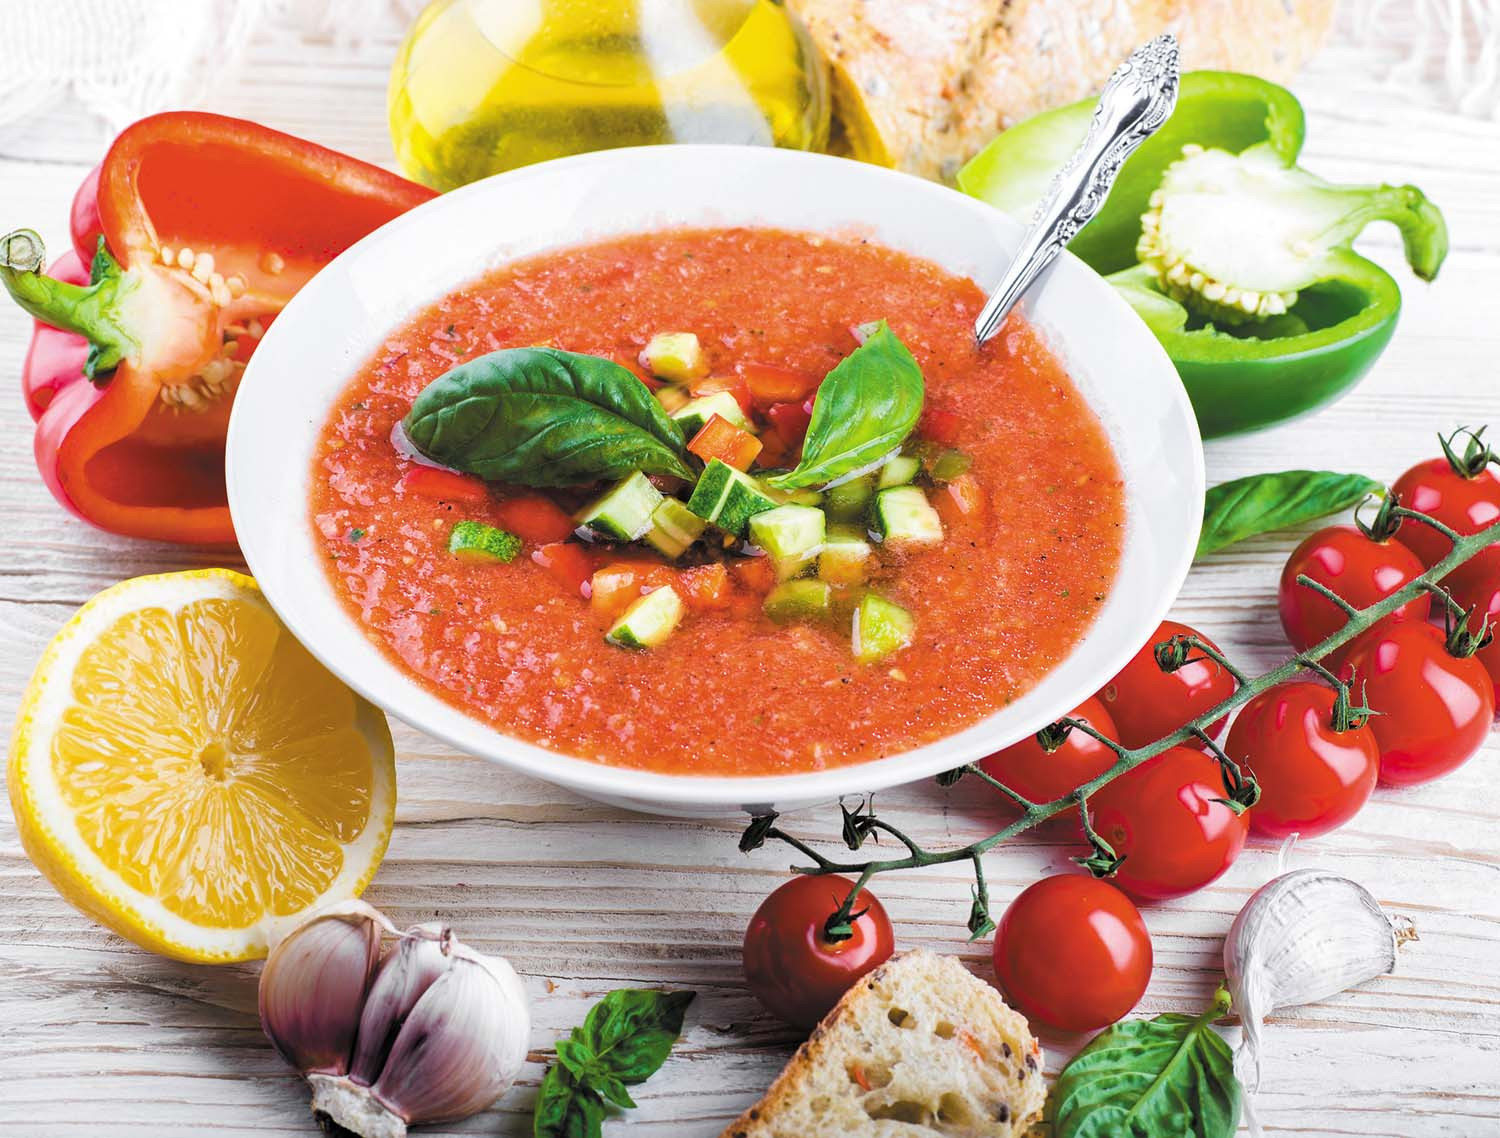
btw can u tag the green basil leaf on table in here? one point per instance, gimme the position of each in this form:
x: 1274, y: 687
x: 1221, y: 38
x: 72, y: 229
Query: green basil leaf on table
x: 543, y: 417
x: 623, y: 1041
x: 1261, y: 503
x: 863, y: 411
x: 1168, y: 1077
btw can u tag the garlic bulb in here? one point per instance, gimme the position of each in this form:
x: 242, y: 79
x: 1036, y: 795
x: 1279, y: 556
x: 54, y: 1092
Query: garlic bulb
x: 1302, y: 937
x: 430, y: 1032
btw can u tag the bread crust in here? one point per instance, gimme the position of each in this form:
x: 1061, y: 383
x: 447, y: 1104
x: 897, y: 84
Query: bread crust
x: 923, y: 86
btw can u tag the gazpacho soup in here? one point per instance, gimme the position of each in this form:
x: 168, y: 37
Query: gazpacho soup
x: 719, y: 501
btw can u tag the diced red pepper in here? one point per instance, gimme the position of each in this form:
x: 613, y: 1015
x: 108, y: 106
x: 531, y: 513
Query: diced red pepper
x: 734, y: 384
x: 960, y: 502
x: 534, y: 518
x: 570, y: 564
x: 721, y: 439
x: 774, y: 453
x: 446, y: 486
x: 939, y: 425
x: 755, y: 573
x: 620, y: 583
x: 705, y: 588
x: 789, y: 420
x: 635, y: 369
x: 769, y: 383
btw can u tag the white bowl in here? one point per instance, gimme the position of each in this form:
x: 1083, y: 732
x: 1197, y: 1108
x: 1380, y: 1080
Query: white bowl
x: 341, y: 317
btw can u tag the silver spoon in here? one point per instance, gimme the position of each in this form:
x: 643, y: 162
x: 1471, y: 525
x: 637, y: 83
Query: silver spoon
x: 1138, y: 98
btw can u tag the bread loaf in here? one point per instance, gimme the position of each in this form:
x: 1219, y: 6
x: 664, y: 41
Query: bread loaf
x: 923, y: 86
x: 919, y: 1047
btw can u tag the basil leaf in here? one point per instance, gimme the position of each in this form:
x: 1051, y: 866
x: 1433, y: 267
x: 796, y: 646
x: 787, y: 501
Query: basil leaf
x: 623, y: 1041
x: 1260, y: 503
x: 632, y: 1031
x: 1168, y: 1077
x: 566, y: 1110
x: 864, y: 409
x: 543, y: 417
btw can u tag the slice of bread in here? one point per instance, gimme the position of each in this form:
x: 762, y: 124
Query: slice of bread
x: 917, y: 1048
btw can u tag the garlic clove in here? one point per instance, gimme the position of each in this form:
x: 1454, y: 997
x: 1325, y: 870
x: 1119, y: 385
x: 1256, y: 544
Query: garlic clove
x: 407, y: 972
x: 314, y: 985
x: 1302, y: 937
x: 463, y: 1044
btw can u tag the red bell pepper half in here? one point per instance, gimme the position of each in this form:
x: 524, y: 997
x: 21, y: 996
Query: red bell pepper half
x: 201, y: 228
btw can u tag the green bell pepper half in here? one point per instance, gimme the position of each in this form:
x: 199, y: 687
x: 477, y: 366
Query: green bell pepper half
x: 1239, y: 378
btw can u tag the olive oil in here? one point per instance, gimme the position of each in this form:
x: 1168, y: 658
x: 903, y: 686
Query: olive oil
x: 481, y: 86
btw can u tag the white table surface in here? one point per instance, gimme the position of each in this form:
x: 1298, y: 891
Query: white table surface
x: 100, y: 1038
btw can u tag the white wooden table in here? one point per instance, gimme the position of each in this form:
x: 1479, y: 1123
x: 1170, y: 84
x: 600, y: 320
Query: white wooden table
x: 100, y: 1038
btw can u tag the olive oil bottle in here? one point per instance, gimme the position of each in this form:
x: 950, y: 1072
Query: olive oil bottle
x: 481, y: 86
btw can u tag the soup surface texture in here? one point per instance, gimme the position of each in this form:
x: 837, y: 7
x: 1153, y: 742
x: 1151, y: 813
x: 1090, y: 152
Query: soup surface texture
x: 996, y: 605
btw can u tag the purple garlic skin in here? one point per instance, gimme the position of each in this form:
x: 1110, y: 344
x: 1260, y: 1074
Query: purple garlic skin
x: 433, y: 1032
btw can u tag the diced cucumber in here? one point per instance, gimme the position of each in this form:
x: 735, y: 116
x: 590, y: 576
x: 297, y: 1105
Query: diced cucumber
x: 807, y: 497
x: 674, y: 527
x: 845, y: 556
x: 849, y: 501
x: 649, y: 621
x: 675, y: 356
x: 791, y: 535
x: 728, y: 498
x: 475, y: 541
x: 624, y: 513
x: 695, y: 412
x: 881, y: 628
x: 899, y: 471
x: 673, y: 398
x: 799, y: 600
x: 946, y: 465
x: 905, y: 519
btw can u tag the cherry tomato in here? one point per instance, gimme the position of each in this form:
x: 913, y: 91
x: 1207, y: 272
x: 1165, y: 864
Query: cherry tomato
x: 1463, y: 501
x: 1073, y: 953
x: 1434, y: 708
x: 1312, y: 778
x: 1041, y: 775
x: 1357, y: 568
x: 790, y: 964
x: 1167, y: 818
x: 1476, y: 585
x: 1147, y: 703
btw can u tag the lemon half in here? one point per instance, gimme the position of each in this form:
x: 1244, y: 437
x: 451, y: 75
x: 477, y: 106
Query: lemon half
x: 187, y: 774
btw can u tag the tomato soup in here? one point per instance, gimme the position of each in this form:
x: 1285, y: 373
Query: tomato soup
x: 1031, y: 512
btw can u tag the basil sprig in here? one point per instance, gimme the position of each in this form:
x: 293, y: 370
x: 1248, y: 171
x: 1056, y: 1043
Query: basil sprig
x: 1168, y: 1077
x: 623, y: 1041
x: 865, y: 408
x: 543, y: 417
x: 1261, y: 503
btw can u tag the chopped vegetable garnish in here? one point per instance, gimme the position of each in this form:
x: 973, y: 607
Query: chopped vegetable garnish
x: 649, y: 621
x: 674, y: 527
x: 946, y: 465
x: 905, y: 519
x: 791, y: 537
x: 845, y: 556
x: 534, y: 518
x: 570, y: 565
x: 770, y: 384
x: 900, y: 470
x: 696, y: 412
x: 476, y: 541
x: 624, y: 513
x: 705, y: 588
x: 675, y: 356
x: 728, y: 497
x: 960, y: 501
x: 799, y: 600
x: 444, y: 485
x: 881, y: 628
x: 849, y: 501
x: 721, y: 439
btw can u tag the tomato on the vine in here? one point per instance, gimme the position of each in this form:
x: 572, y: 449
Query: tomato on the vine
x: 793, y: 966
x: 1147, y: 703
x: 1359, y: 568
x: 1313, y: 777
x: 1073, y: 952
x: 1169, y: 819
x: 1476, y: 586
x: 1434, y: 706
x: 1041, y: 775
x: 1459, y: 490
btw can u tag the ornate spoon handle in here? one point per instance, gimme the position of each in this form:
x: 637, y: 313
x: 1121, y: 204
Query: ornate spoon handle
x: 1138, y: 98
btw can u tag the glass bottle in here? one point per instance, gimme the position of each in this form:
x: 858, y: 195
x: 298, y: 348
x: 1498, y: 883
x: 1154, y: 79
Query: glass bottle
x: 481, y: 86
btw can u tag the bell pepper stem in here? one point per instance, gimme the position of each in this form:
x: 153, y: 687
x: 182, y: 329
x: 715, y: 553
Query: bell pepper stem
x: 91, y: 311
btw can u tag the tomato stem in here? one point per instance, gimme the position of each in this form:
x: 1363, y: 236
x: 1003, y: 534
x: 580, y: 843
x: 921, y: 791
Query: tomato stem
x: 1465, y: 547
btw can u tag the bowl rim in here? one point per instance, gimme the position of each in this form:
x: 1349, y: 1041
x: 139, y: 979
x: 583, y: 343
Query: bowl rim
x: 641, y: 788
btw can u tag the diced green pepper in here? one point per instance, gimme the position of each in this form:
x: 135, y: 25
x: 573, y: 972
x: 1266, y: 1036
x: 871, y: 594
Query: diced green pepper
x: 881, y: 628
x: 946, y: 465
x: 476, y: 541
